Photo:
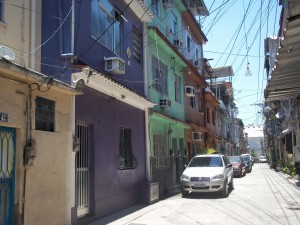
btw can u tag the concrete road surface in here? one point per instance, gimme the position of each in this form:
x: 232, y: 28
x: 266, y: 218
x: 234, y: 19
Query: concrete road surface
x: 263, y: 196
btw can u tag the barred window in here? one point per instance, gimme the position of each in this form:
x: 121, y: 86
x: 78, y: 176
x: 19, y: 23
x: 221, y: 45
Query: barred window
x: 160, y: 75
x: 44, y: 114
x: 137, y: 45
x: 126, y: 155
x: 160, y: 150
x: 177, y: 89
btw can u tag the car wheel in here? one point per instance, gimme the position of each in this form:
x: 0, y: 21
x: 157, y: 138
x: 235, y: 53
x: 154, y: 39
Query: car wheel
x: 225, y: 192
x: 245, y: 173
x: 241, y: 173
x: 231, y: 186
x: 184, y: 193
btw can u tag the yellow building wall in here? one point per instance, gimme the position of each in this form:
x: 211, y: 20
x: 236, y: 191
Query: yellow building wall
x: 50, y: 182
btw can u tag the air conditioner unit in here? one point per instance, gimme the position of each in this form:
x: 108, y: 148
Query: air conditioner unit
x: 190, y: 91
x: 197, y: 136
x: 169, y: 3
x: 114, y: 65
x: 178, y: 43
x: 165, y: 103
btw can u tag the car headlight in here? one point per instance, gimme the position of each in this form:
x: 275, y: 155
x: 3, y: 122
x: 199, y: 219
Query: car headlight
x: 218, y: 177
x: 185, y: 177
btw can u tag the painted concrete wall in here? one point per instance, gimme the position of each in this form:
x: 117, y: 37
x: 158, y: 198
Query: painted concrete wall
x: 49, y: 188
x: 87, y: 49
x: 112, y: 189
x: 15, y: 31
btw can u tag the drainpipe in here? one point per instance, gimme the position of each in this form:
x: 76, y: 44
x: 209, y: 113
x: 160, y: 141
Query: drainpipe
x: 32, y: 33
x: 147, y: 126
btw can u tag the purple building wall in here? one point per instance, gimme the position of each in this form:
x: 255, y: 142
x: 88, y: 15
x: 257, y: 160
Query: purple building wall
x: 112, y: 189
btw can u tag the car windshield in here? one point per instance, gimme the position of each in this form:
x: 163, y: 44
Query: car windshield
x: 262, y: 157
x: 245, y: 157
x: 234, y: 159
x: 206, y: 162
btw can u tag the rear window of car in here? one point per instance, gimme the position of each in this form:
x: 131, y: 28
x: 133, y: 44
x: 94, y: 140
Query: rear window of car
x: 206, y: 162
x: 234, y: 159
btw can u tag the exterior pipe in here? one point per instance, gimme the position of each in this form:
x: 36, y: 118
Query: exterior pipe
x: 147, y: 137
x: 32, y: 33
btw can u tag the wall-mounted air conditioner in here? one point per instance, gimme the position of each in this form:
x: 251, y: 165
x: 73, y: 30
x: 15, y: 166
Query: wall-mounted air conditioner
x: 168, y: 3
x: 114, y: 65
x: 189, y: 91
x: 165, y: 103
x: 178, y: 43
x: 197, y: 136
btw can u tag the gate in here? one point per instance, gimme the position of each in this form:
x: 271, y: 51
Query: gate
x: 82, y: 170
x: 7, y: 171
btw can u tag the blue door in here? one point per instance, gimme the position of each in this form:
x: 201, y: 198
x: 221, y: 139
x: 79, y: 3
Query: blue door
x: 7, y: 171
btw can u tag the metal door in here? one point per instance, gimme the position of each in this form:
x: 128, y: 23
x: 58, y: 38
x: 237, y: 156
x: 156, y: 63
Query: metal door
x: 7, y: 171
x: 82, y: 170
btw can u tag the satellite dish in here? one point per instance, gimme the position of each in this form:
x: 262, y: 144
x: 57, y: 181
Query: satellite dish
x: 7, y: 53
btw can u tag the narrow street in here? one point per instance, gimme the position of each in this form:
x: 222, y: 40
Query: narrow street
x: 263, y: 196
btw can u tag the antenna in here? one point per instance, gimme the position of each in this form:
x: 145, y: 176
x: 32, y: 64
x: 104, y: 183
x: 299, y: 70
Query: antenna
x: 6, y: 53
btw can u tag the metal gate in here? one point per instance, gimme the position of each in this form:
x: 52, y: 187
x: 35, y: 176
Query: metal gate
x: 7, y: 171
x: 82, y: 170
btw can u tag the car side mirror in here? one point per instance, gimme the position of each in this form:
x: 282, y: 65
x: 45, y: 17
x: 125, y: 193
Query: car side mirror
x: 229, y: 165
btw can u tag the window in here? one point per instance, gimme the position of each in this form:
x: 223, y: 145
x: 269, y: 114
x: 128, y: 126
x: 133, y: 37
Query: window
x: 106, y: 25
x: 174, y: 29
x: 213, y: 114
x: 188, y: 43
x: 197, y: 53
x: 207, y: 116
x: 177, y: 89
x: 137, y: 45
x: 192, y: 101
x: 1, y: 10
x: 44, y: 114
x: 159, y: 74
x: 160, y: 150
x: 154, y: 6
x: 126, y: 161
x: 65, y: 14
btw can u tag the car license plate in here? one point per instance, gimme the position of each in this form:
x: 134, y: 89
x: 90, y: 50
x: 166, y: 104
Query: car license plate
x: 200, y: 185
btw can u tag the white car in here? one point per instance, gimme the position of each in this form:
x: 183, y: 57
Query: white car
x: 207, y: 173
x: 262, y: 159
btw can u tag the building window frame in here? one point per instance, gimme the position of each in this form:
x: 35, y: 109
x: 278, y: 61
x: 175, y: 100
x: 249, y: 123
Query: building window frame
x: 103, y: 14
x: 178, y: 89
x: 160, y: 75
x: 207, y: 115
x: 44, y: 114
x: 160, y: 149
x: 137, y: 45
x: 125, y: 149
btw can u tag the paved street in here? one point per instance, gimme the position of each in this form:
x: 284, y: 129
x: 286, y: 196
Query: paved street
x: 262, y: 197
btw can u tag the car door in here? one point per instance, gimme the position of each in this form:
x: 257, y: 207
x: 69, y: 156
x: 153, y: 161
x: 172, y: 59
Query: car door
x: 228, y: 170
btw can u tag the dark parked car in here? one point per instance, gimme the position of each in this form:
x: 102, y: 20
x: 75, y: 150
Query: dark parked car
x: 238, y: 164
x: 248, y: 163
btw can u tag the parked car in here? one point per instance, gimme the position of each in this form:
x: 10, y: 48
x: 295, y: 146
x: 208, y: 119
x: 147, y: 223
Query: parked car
x: 238, y: 164
x: 248, y: 163
x: 263, y: 159
x: 251, y: 157
x: 207, y: 173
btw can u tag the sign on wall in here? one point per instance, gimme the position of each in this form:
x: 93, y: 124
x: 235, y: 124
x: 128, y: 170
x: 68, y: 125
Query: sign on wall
x: 3, y: 117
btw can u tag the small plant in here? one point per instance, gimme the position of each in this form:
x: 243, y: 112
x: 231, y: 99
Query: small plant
x: 211, y: 151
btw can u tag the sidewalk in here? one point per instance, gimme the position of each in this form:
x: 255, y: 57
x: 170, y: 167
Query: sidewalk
x: 293, y: 180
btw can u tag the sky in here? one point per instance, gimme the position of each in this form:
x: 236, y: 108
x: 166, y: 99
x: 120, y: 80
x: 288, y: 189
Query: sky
x: 236, y: 30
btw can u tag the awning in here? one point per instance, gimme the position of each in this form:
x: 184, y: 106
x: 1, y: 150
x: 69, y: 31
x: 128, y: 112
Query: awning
x: 285, y: 80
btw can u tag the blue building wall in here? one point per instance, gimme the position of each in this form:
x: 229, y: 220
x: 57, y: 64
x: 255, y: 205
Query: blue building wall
x: 112, y: 189
x: 87, y: 49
